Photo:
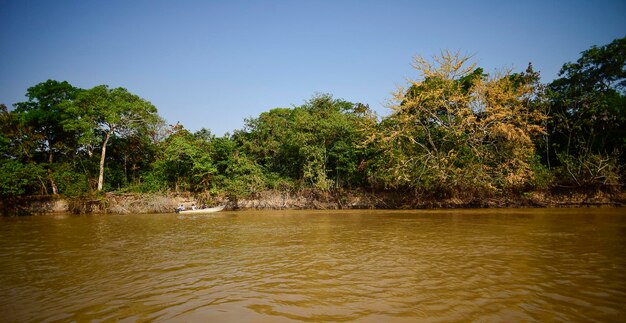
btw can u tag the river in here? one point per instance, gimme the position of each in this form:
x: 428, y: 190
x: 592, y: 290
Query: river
x: 499, y: 265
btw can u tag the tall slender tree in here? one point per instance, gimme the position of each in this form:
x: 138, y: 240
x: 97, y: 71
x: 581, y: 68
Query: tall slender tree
x: 100, y: 113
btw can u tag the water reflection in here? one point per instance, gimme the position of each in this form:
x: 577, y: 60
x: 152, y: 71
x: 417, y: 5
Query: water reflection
x: 486, y: 265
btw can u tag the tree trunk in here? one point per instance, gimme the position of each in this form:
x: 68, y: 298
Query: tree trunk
x: 55, y: 190
x: 102, y: 156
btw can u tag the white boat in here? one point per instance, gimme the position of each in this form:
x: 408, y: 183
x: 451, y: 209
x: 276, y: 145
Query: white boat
x: 201, y: 211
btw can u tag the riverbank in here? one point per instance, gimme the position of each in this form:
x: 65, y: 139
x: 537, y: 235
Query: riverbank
x: 406, y: 200
x: 112, y: 203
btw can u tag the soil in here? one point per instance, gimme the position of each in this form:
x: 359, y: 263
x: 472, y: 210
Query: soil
x: 309, y: 199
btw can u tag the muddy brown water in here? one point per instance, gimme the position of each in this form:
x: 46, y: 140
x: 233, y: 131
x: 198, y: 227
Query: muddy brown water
x: 369, y: 266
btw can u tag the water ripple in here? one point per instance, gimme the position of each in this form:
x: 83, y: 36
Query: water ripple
x: 312, y: 266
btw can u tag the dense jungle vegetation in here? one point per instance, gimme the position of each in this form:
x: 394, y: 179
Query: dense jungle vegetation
x: 454, y: 130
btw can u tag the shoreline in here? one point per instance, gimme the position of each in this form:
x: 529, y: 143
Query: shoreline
x: 126, y: 203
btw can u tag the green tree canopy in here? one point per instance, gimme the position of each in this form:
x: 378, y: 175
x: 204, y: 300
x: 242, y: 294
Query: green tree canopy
x: 588, y: 116
x: 316, y: 144
x: 185, y: 162
x: 100, y: 112
x: 43, y: 114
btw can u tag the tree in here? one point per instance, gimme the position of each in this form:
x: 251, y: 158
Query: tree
x: 186, y: 161
x: 17, y: 175
x: 18, y: 179
x: 588, y: 116
x: 100, y: 113
x: 508, y: 125
x: 457, y: 129
x: 128, y: 157
x: 316, y: 144
x: 44, y: 113
x: 13, y: 137
x: 426, y: 141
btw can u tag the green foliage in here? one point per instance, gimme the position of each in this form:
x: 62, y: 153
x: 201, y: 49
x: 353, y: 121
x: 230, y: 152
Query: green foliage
x: 243, y: 177
x: 185, y: 162
x: 99, y: 113
x: 588, y: 169
x: 129, y: 157
x: 455, y: 130
x: 316, y: 144
x: 19, y: 179
x: 44, y: 113
x: 71, y: 181
x: 587, y: 128
x: 150, y: 182
x: 38, y: 132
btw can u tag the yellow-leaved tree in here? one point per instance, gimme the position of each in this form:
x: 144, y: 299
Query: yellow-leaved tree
x: 509, y: 120
x: 455, y: 129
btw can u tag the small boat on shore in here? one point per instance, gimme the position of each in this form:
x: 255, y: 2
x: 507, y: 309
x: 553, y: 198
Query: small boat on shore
x: 201, y: 211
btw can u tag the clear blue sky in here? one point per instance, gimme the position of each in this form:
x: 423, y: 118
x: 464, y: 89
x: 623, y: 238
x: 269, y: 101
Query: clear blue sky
x: 210, y: 64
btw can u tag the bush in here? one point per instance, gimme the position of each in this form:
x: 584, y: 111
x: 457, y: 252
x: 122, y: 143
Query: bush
x: 19, y: 179
x: 69, y: 181
x: 589, y: 170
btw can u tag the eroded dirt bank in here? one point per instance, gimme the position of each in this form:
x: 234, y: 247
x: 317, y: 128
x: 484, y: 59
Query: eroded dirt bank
x: 306, y: 199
